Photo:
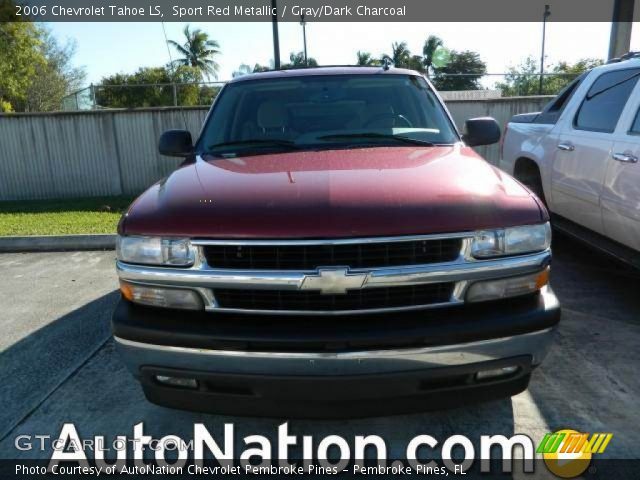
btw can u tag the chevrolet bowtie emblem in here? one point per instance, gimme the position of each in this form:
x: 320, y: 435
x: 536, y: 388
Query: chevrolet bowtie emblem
x: 334, y: 281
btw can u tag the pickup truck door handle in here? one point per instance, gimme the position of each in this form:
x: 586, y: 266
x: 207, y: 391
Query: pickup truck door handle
x: 567, y: 147
x: 624, y: 157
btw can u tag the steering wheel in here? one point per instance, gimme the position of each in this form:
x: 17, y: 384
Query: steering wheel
x: 393, y: 116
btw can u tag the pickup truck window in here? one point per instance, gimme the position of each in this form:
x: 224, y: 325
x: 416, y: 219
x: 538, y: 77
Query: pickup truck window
x: 325, y: 111
x: 551, y: 112
x: 603, y: 104
x: 635, y: 127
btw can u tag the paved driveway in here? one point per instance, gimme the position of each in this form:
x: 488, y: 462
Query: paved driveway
x: 58, y: 365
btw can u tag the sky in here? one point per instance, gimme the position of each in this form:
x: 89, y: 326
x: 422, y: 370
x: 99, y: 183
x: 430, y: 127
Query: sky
x: 108, y: 48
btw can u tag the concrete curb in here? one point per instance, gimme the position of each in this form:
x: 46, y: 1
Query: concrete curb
x: 56, y: 243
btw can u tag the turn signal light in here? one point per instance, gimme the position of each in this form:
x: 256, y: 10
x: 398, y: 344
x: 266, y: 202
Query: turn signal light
x: 542, y: 279
x: 161, y: 297
x: 507, y: 287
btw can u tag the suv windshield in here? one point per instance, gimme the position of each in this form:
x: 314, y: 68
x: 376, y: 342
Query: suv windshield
x: 332, y: 111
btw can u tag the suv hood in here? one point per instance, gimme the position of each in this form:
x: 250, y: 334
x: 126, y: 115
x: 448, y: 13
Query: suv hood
x: 361, y: 192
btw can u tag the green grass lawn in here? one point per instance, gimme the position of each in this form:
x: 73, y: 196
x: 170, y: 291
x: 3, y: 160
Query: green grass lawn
x: 62, y: 217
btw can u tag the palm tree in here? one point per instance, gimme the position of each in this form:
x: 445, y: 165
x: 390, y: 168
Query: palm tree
x: 365, y: 59
x: 400, y: 55
x: 297, y: 61
x: 198, y: 51
x: 428, y: 51
x: 264, y: 68
x: 416, y: 62
x: 243, y: 69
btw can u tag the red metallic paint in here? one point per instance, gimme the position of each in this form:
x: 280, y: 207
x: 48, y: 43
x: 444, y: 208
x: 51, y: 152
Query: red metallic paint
x: 360, y: 192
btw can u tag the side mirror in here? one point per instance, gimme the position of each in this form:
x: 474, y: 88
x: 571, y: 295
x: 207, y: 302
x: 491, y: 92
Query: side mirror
x: 176, y: 143
x: 481, y: 131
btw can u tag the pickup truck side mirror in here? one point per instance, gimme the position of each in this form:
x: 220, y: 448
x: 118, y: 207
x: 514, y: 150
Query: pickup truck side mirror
x: 176, y: 143
x: 481, y: 131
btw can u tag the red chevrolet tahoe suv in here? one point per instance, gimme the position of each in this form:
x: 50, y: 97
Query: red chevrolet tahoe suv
x: 332, y: 246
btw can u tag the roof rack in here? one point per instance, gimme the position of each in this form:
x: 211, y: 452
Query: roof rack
x: 303, y: 67
x: 626, y: 56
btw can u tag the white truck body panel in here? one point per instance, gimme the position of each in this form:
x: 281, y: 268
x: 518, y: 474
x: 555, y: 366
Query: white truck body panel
x: 589, y: 177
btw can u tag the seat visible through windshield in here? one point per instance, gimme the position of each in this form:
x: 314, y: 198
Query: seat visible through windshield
x: 303, y: 110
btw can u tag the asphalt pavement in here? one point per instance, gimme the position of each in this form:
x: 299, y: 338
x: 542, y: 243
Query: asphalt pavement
x: 58, y: 364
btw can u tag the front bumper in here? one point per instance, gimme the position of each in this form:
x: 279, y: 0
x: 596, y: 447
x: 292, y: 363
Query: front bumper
x: 336, y: 367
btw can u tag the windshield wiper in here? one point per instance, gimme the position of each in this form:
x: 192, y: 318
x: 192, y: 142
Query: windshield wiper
x: 256, y: 141
x: 388, y: 136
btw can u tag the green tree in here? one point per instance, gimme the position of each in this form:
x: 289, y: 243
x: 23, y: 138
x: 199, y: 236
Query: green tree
x: 521, y: 80
x: 36, y: 72
x: 243, y: 69
x: 416, y: 62
x: 20, y: 44
x: 264, y: 68
x: 434, y: 54
x: 525, y: 79
x: 400, y: 55
x: 579, y: 67
x: 297, y: 61
x: 153, y: 87
x: 366, y: 59
x: 54, y: 78
x: 463, y: 72
x: 199, y: 52
x: 566, y: 72
x: 206, y: 94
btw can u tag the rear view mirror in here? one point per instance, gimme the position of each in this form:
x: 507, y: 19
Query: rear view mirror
x: 481, y: 131
x: 176, y: 143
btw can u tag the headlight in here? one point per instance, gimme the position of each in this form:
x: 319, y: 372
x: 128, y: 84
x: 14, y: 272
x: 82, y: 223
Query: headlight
x: 511, y: 241
x: 155, y: 251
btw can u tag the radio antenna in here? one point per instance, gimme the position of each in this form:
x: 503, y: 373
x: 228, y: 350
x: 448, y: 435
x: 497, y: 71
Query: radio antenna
x: 173, y: 72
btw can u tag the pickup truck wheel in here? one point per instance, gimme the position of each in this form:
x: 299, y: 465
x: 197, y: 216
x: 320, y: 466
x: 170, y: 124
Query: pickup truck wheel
x: 527, y: 172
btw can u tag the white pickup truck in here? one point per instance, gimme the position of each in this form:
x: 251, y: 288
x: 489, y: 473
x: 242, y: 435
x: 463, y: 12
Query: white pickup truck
x: 580, y: 156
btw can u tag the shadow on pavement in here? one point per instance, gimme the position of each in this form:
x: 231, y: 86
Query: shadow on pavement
x: 589, y: 381
x: 36, y: 365
x: 590, y: 282
x: 104, y: 399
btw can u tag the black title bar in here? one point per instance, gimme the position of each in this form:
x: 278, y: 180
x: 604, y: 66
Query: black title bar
x: 313, y: 10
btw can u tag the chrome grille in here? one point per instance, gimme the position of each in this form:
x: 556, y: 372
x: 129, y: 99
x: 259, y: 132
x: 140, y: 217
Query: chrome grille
x: 365, y: 299
x: 356, y: 255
